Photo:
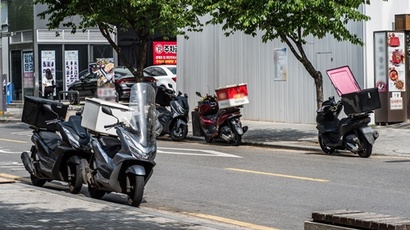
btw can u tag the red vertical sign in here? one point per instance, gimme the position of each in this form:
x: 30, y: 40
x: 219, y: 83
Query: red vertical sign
x: 164, y: 52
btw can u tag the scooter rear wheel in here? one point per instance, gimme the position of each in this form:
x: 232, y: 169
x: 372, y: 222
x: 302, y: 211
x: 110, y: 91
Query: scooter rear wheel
x: 75, y: 180
x: 208, y: 139
x: 37, y: 181
x: 325, y: 149
x: 137, y: 184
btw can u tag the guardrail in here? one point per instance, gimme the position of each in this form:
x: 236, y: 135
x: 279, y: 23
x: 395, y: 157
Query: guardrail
x: 63, y: 94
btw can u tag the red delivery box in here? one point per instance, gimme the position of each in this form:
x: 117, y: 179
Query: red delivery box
x: 232, y: 95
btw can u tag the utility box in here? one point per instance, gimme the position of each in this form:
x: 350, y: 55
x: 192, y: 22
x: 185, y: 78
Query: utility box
x: 196, y: 124
x: 402, y: 21
x: 391, y: 63
x: 94, y: 119
x: 10, y: 92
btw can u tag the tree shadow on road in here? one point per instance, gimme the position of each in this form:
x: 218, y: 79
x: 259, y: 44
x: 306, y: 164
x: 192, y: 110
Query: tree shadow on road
x: 266, y: 135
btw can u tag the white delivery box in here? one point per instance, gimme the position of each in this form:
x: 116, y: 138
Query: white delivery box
x: 94, y: 119
x: 232, y: 95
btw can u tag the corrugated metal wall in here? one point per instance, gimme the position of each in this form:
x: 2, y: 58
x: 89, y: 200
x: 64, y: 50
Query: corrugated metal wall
x: 209, y: 59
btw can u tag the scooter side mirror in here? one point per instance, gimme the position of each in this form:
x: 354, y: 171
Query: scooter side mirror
x: 198, y: 94
x: 106, y: 110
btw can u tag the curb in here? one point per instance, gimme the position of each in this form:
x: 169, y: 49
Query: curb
x: 9, y: 120
x: 280, y: 145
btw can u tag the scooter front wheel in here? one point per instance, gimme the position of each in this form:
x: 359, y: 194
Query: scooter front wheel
x: 75, y: 179
x: 366, y: 150
x: 179, y: 133
x: 136, y: 186
x: 237, y: 139
x: 325, y: 149
x: 37, y: 181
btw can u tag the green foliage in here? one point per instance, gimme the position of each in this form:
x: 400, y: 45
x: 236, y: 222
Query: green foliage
x: 295, y: 19
x: 143, y: 17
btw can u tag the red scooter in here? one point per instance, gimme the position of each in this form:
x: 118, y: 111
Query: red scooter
x: 224, y: 123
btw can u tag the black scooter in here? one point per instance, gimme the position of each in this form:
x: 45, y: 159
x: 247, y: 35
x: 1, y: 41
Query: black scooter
x: 57, y: 155
x: 124, y: 163
x: 350, y: 133
x: 174, y: 120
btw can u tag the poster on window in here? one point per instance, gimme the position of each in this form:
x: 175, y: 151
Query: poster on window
x: 48, y: 61
x: 164, y: 52
x: 71, y: 67
x: 28, y: 63
x: 280, y: 63
x: 396, y: 53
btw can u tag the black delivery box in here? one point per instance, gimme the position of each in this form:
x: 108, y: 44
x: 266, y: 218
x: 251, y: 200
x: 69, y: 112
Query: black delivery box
x: 354, y: 99
x: 35, y: 114
x: 363, y: 101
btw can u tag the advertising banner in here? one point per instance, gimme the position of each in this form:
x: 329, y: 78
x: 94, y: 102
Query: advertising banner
x: 48, y: 60
x: 28, y: 70
x: 397, y: 70
x: 164, y: 52
x: 280, y: 62
x: 71, y: 67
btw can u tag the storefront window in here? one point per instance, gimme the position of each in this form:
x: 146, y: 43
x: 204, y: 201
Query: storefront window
x: 16, y: 77
x: 101, y: 51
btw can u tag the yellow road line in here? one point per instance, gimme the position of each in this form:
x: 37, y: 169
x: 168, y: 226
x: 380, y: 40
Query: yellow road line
x: 278, y: 175
x: 231, y: 221
x: 10, y: 140
x: 13, y: 177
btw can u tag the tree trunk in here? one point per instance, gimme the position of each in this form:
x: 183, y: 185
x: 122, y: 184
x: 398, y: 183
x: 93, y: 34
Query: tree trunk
x: 318, y: 78
x: 142, y: 57
x: 296, y: 47
x: 106, y: 34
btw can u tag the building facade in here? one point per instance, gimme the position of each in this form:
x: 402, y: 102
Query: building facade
x: 33, y: 49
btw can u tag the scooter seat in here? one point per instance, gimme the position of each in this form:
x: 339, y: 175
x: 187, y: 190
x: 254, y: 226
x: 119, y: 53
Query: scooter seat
x: 212, y: 117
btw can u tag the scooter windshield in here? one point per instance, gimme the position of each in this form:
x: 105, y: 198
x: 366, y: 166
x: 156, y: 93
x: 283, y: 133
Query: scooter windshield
x: 143, y: 120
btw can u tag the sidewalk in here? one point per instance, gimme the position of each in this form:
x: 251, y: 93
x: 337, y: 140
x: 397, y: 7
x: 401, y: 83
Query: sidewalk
x: 393, y: 139
x: 24, y: 206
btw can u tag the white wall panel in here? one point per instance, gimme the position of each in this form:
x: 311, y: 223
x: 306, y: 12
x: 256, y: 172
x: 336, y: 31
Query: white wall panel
x: 209, y: 59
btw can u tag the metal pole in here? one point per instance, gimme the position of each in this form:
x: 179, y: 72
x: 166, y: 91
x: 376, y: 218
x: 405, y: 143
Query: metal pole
x: 3, y: 91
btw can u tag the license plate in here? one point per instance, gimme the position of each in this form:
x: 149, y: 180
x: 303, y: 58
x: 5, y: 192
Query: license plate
x: 106, y: 92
